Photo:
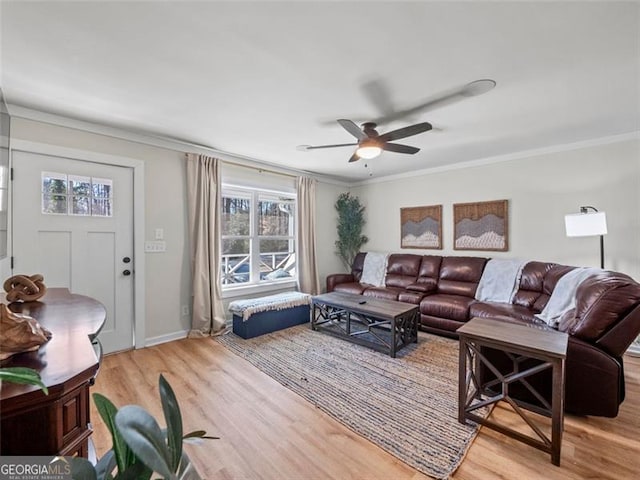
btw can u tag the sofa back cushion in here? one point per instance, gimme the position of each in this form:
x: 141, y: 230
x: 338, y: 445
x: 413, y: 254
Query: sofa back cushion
x: 427, y: 280
x: 601, y: 302
x: 549, y: 283
x: 537, y: 283
x: 460, y: 275
x: 402, y: 269
x: 358, y: 265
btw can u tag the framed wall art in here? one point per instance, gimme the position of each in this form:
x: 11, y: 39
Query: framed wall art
x: 481, y: 226
x: 421, y: 227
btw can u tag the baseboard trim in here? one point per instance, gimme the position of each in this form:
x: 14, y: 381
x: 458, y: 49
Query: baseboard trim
x: 169, y: 337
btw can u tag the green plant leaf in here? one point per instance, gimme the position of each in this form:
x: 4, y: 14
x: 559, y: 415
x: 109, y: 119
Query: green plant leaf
x: 187, y: 470
x: 173, y: 419
x: 136, y: 471
x: 23, y: 376
x: 106, y: 465
x: 144, y: 437
x: 108, y: 411
x: 81, y: 469
x: 349, y: 228
x: 199, y: 434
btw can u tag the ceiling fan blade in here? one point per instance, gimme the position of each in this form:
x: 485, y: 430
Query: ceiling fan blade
x: 406, y: 132
x: 379, y: 94
x: 442, y: 99
x: 398, y: 148
x: 352, y: 128
x: 354, y: 158
x: 306, y: 148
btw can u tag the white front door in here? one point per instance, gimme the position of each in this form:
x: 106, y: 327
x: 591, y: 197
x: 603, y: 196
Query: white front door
x: 73, y: 223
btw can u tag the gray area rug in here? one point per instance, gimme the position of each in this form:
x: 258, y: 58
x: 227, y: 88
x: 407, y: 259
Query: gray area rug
x: 408, y: 405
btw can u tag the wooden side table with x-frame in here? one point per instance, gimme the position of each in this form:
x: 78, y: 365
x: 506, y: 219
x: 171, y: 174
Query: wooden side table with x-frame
x: 519, y: 342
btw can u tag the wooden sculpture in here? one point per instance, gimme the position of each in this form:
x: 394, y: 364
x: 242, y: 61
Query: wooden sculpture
x: 24, y: 288
x: 19, y: 333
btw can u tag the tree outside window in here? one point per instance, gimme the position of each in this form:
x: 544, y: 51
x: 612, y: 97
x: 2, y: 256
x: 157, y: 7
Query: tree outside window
x: 258, y: 237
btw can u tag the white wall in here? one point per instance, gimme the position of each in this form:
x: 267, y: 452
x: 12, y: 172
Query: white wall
x: 326, y: 220
x: 541, y: 190
x: 168, y: 284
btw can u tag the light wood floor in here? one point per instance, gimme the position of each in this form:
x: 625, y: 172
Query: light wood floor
x: 268, y: 432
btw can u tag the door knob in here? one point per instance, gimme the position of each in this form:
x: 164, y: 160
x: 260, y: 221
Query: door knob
x: 126, y: 273
x: 126, y: 259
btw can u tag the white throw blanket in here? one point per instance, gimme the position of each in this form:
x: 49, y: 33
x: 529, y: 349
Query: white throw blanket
x: 279, y: 301
x: 500, y: 280
x: 563, y: 297
x: 374, y: 268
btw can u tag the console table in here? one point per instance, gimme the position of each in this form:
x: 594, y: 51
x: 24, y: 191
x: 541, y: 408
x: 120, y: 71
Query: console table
x: 519, y: 342
x: 33, y: 423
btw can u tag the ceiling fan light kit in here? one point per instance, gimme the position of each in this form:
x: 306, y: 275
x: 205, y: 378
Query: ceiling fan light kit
x: 369, y: 148
x: 370, y: 143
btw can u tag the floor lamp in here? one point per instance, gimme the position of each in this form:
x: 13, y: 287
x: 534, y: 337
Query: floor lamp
x: 587, y: 224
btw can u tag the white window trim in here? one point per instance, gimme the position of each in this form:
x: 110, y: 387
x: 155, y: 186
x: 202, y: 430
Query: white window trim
x: 254, y: 286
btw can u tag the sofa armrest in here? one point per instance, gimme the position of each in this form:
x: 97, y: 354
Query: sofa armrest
x: 338, y: 278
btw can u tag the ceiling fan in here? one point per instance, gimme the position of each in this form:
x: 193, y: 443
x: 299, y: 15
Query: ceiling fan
x: 370, y: 143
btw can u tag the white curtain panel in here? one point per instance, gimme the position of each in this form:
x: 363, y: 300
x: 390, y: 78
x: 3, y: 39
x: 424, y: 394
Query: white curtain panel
x: 203, y: 200
x: 308, y: 280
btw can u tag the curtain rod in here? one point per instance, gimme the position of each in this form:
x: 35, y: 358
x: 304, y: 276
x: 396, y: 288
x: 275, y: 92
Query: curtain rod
x: 259, y: 168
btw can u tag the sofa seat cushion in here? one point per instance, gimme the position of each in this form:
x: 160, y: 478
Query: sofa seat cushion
x: 351, y: 287
x: 424, y: 285
x: 502, y: 310
x: 441, y: 326
x: 410, y: 297
x: 383, y: 292
x: 454, y: 307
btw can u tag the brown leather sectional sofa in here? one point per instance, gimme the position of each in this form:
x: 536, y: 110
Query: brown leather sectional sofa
x: 604, y: 323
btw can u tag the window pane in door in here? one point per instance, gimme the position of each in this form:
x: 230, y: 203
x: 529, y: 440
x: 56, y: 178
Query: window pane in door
x: 102, y: 187
x: 101, y: 207
x: 80, y: 185
x: 54, y: 204
x: 54, y: 183
x: 236, y: 215
x: 80, y: 206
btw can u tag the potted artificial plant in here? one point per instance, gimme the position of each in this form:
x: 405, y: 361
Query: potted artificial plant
x: 350, y: 224
x: 140, y: 447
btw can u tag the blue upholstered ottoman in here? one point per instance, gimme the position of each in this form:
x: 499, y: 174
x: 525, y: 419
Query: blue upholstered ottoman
x: 258, y: 316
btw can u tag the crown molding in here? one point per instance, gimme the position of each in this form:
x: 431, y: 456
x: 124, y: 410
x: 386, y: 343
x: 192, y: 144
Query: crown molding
x: 175, y: 144
x: 160, y: 141
x: 505, y: 158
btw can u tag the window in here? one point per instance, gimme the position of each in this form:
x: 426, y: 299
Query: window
x: 64, y: 194
x: 258, y: 237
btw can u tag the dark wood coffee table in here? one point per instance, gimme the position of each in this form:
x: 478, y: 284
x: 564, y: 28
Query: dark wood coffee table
x: 519, y: 342
x: 384, y: 325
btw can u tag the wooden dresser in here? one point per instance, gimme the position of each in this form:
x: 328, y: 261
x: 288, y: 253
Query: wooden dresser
x: 33, y: 423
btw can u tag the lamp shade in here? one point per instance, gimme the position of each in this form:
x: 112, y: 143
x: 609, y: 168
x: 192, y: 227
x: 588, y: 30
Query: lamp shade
x: 585, y: 224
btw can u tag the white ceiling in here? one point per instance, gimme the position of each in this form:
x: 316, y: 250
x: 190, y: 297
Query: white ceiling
x: 259, y: 78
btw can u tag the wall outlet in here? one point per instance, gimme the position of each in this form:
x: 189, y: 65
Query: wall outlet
x: 159, y: 234
x: 185, y: 310
x: 158, y: 246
